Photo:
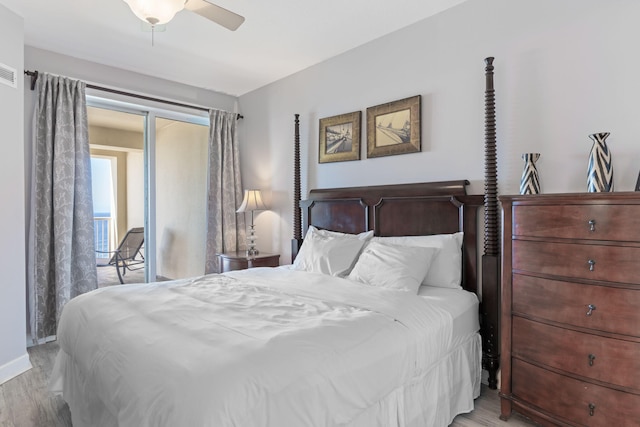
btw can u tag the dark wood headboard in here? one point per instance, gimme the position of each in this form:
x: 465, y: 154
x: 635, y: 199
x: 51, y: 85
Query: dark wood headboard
x: 401, y: 210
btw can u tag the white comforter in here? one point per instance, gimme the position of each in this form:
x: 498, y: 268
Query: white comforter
x: 260, y: 347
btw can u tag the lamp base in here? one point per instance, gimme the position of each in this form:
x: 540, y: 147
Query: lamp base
x: 252, y: 252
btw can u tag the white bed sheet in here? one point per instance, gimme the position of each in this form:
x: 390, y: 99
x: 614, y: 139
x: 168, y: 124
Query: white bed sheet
x: 463, y: 306
x: 231, y: 368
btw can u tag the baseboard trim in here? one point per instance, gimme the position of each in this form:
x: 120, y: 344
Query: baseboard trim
x: 14, y: 368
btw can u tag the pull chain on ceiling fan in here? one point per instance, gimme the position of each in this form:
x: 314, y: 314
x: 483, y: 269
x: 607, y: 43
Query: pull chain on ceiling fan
x: 157, y: 12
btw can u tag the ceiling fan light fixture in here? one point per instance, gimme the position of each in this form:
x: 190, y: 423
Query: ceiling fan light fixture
x: 155, y: 12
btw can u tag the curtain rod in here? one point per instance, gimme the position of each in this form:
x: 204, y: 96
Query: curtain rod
x: 34, y: 78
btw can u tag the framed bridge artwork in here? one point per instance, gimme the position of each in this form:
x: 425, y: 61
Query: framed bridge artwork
x: 394, y: 128
x: 340, y: 138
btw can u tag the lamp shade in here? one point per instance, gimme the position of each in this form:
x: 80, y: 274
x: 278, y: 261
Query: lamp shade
x: 252, y: 201
x: 155, y: 12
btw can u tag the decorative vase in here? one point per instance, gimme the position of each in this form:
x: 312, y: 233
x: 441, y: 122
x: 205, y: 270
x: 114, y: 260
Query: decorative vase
x: 600, y: 169
x: 530, y: 183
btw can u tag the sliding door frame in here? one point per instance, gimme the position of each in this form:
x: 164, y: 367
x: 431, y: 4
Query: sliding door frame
x: 150, y: 111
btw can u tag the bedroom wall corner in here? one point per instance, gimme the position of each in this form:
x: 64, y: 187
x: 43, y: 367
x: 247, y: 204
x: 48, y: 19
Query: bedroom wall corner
x: 13, y: 354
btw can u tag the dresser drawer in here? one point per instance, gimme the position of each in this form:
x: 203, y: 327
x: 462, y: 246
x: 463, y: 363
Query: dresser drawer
x: 570, y: 399
x: 605, y: 359
x: 616, y: 310
x: 595, y: 262
x: 597, y: 222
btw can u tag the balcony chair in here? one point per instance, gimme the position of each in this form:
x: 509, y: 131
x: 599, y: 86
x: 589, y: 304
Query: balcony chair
x: 128, y: 255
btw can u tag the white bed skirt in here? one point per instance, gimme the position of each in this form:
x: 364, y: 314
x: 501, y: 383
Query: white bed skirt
x: 432, y: 400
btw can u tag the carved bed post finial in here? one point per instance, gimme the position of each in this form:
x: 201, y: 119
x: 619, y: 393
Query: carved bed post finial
x: 491, y: 257
x: 297, y: 224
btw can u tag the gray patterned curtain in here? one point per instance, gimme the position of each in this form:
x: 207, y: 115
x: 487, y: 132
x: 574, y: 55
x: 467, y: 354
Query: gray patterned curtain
x: 225, y: 229
x: 62, y: 261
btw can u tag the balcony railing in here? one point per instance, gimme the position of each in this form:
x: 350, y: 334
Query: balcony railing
x: 102, y: 234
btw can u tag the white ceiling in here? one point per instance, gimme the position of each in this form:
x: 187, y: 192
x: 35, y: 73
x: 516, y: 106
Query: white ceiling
x: 278, y: 38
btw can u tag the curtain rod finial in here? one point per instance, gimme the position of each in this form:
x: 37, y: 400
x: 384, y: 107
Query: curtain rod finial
x: 34, y: 77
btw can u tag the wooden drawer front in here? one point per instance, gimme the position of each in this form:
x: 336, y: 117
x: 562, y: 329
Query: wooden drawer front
x: 271, y: 261
x: 569, y: 399
x: 237, y: 261
x: 231, y: 264
x: 616, y: 310
x: 610, y: 222
x: 610, y: 263
x: 604, y: 359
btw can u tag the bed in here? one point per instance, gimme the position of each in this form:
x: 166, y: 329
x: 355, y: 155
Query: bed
x: 375, y: 323
x: 281, y: 346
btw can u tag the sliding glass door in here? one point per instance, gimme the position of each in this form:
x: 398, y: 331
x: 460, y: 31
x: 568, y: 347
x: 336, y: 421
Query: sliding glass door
x: 181, y: 195
x: 159, y: 172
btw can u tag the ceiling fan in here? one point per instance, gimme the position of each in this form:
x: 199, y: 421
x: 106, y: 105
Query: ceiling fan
x: 158, y: 12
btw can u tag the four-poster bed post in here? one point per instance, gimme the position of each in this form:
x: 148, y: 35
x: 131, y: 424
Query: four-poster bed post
x: 296, y: 242
x: 491, y: 259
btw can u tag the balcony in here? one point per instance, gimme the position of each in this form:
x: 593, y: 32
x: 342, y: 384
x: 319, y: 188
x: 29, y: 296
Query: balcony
x: 103, y: 234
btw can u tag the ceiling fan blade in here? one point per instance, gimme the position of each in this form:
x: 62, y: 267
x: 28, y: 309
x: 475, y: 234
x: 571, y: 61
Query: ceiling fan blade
x: 215, y: 13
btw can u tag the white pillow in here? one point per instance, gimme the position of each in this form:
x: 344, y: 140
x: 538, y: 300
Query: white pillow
x: 329, y: 252
x: 365, y: 235
x: 393, y: 267
x: 446, y: 267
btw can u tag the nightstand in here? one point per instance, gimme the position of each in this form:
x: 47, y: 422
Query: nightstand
x: 239, y: 261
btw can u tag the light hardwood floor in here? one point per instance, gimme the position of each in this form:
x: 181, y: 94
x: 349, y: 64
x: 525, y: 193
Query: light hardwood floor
x: 26, y: 402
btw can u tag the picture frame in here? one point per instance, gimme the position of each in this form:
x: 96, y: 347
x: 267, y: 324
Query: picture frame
x: 638, y: 183
x: 394, y: 128
x: 340, y: 138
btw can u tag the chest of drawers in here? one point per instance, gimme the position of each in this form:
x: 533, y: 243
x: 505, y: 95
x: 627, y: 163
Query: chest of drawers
x: 570, y: 308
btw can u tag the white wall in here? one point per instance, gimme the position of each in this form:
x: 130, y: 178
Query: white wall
x: 13, y: 355
x: 563, y: 70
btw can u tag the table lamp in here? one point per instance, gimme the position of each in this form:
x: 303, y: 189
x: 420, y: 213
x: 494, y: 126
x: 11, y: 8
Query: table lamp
x: 252, y: 202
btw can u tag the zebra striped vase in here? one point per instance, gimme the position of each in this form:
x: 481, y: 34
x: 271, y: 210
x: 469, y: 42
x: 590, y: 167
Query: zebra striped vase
x: 530, y: 183
x: 600, y: 169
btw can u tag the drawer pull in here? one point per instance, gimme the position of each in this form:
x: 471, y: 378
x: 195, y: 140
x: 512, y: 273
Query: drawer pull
x: 592, y: 264
x: 592, y: 409
x: 591, y: 307
x: 592, y: 225
x: 592, y: 357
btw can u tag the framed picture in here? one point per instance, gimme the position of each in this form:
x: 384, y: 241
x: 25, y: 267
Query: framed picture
x: 340, y: 138
x: 394, y: 128
x: 638, y: 183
